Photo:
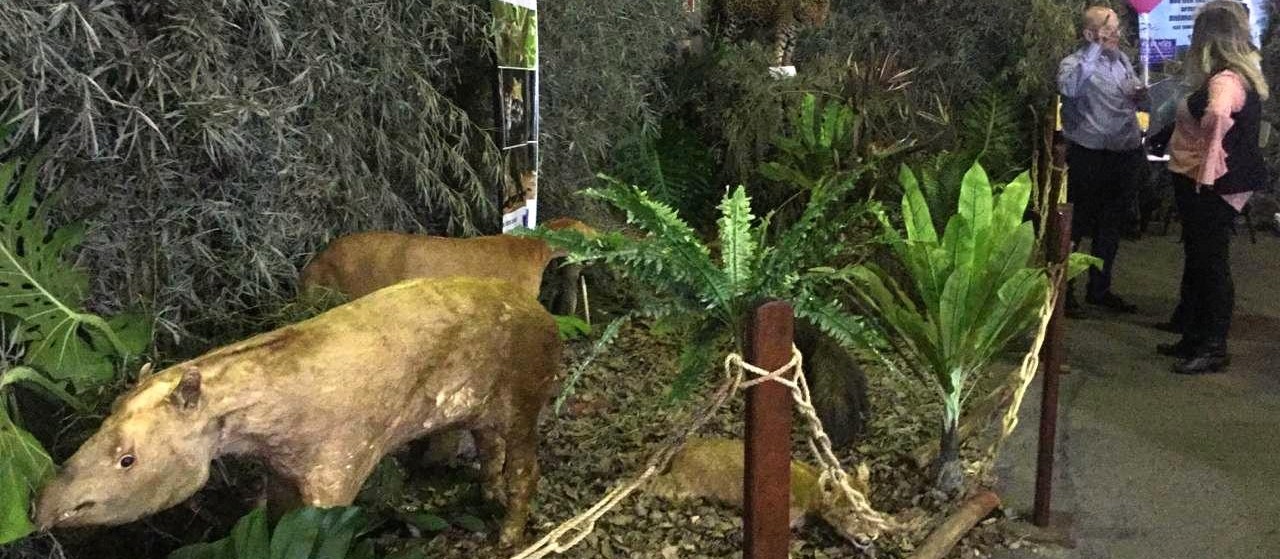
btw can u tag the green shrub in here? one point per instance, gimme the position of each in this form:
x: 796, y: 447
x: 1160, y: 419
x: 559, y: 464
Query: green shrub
x: 64, y: 350
x: 971, y: 290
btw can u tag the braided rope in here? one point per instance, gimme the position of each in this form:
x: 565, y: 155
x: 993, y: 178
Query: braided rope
x: 874, y: 522
x: 573, y: 531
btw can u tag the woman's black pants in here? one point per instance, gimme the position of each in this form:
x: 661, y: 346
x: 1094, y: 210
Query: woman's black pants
x: 1208, y: 294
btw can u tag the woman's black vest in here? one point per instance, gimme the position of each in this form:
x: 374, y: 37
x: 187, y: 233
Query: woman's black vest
x: 1246, y: 170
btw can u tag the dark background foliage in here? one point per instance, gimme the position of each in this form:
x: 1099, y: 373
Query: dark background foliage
x: 213, y: 146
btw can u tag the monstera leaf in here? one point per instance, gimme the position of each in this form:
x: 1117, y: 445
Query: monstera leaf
x: 23, y: 466
x: 42, y: 290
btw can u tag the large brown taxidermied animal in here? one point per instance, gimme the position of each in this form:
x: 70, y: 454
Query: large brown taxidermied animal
x: 322, y: 401
x: 361, y: 263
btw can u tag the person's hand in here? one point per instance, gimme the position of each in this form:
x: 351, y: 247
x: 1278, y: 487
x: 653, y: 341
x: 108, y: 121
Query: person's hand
x: 1139, y: 93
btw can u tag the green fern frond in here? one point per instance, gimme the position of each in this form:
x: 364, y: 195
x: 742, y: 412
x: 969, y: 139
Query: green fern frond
x: 672, y: 240
x: 992, y: 131
x: 738, y: 248
x: 606, y: 339
x: 696, y: 358
x: 674, y: 166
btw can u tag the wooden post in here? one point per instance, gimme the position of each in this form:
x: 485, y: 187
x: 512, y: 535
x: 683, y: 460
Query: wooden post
x: 1058, y: 249
x: 767, y: 487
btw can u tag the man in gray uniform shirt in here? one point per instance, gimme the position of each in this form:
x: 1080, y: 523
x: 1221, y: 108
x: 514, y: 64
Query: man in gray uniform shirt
x: 1100, y: 95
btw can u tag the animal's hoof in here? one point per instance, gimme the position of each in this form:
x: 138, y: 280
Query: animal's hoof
x: 512, y: 537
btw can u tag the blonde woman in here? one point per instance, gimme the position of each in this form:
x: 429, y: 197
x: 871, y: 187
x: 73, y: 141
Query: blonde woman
x: 1216, y: 164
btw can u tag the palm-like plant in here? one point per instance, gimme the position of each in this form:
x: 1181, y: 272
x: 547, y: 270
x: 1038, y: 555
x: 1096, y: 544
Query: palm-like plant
x: 754, y: 263
x: 971, y: 291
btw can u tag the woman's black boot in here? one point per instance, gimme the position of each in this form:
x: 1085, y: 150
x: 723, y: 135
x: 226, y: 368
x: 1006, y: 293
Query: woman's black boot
x: 1182, y: 349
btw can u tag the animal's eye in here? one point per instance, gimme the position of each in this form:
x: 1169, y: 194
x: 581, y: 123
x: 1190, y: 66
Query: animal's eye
x: 127, y: 461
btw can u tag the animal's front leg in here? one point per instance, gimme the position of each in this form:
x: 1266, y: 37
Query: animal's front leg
x: 282, y: 495
x: 335, y: 476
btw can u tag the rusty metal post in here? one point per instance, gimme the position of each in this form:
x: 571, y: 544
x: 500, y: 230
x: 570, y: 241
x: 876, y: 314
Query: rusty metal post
x: 1058, y: 249
x: 767, y: 487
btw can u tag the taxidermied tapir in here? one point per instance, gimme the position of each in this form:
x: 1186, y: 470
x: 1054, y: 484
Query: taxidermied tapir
x: 322, y: 401
x: 362, y: 263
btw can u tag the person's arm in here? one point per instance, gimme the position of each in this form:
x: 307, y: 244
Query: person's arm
x: 1135, y: 90
x: 1076, y: 70
x: 1226, y: 96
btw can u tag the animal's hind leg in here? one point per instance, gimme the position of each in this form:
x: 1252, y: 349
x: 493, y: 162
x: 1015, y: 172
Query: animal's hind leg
x: 493, y: 455
x: 521, y: 473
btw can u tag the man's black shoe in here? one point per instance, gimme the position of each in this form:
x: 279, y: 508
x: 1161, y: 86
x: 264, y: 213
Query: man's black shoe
x: 1182, y: 349
x: 1203, y: 363
x: 1073, y: 309
x: 1113, y: 302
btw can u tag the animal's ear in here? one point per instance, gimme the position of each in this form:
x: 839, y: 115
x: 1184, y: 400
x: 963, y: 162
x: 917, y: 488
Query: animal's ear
x: 187, y: 394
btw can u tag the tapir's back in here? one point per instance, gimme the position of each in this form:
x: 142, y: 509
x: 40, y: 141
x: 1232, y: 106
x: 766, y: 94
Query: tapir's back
x: 362, y: 263
x: 408, y: 359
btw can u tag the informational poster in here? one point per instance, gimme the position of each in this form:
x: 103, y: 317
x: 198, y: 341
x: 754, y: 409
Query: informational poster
x: 516, y: 43
x: 1173, y: 20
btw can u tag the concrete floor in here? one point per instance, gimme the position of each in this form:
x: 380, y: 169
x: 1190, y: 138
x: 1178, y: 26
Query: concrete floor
x: 1157, y: 465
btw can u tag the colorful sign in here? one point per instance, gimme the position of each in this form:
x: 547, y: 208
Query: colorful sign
x: 1169, y: 32
x: 516, y: 43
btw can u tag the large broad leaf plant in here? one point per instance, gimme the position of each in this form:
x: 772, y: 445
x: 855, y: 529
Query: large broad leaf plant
x: 304, y: 533
x: 58, y: 350
x: 970, y: 290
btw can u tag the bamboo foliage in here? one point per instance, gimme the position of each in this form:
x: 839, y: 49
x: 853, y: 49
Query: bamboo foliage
x: 212, y: 146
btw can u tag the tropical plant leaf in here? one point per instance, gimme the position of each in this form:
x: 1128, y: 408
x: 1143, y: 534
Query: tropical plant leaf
x: 24, y: 465
x: 31, y: 378
x: 975, y: 207
x: 1011, y: 205
x: 338, y: 529
x: 830, y: 316
x: 915, y: 210
x: 305, y: 533
x: 35, y: 285
x: 68, y: 354
x: 44, y: 291
x: 954, y: 316
x: 134, y: 330
x: 428, y: 522
x: 1078, y: 262
x: 251, y: 537
x: 992, y: 132
x: 571, y: 327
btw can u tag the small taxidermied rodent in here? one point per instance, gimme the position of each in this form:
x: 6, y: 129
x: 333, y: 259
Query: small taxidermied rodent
x: 712, y: 468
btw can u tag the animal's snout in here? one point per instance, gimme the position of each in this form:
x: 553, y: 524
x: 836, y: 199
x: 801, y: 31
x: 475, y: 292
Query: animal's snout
x: 84, y: 506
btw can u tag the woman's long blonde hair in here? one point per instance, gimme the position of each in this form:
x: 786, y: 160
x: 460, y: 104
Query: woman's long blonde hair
x: 1220, y: 41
